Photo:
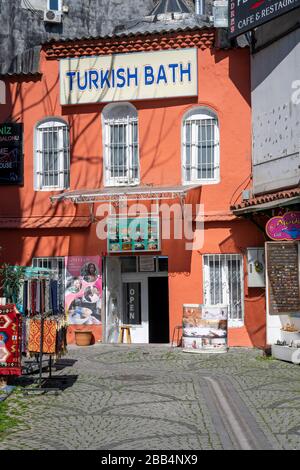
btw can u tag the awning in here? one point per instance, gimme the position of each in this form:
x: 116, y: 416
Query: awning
x: 131, y: 193
x: 267, y: 206
x: 268, y: 202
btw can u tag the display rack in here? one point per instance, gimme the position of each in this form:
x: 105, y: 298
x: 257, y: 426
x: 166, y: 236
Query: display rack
x: 38, y: 274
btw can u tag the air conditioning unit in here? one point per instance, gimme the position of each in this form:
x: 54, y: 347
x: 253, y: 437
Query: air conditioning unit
x: 52, y: 16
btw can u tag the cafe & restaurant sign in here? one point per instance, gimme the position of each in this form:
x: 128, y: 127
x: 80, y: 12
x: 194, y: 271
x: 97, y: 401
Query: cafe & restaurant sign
x: 245, y: 15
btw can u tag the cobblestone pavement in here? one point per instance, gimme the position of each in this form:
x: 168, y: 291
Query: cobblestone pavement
x: 157, y: 398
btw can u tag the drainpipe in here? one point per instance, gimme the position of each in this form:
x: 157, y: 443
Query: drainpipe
x: 200, y: 7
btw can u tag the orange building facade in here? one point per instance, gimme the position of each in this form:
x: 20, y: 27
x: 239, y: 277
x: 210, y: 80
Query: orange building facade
x: 32, y: 227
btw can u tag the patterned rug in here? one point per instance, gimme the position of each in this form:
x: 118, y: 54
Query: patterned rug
x: 10, y: 341
x: 49, y: 340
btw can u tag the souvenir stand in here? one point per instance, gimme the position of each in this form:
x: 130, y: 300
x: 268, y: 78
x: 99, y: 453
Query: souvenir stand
x: 43, y: 325
x: 44, y: 319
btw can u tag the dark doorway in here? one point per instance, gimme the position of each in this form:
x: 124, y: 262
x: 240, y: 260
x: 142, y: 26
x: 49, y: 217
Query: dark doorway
x: 159, y: 310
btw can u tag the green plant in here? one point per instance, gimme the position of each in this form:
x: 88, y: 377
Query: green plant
x: 7, y: 422
x: 10, y: 281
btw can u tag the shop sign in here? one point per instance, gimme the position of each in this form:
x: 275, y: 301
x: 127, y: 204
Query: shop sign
x: 132, y: 300
x: 11, y: 154
x: 129, y: 77
x: 283, y: 278
x: 205, y: 328
x: 139, y: 234
x: 245, y: 15
x: 284, y: 227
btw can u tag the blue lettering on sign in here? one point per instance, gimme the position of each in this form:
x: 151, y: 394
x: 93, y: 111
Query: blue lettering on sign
x: 129, y: 77
x: 132, y: 76
x: 149, y: 75
x: 94, y: 81
x: 173, y: 68
x: 161, y: 75
x: 80, y: 86
x: 186, y: 71
x: 104, y: 79
x: 71, y: 75
x: 121, y: 78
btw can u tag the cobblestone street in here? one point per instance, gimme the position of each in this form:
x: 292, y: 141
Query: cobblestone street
x: 158, y: 398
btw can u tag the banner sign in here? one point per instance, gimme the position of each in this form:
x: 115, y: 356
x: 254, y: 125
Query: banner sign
x: 285, y: 227
x: 83, y: 294
x: 245, y: 15
x: 205, y: 328
x: 132, y: 303
x: 11, y: 154
x: 129, y: 77
x: 137, y: 234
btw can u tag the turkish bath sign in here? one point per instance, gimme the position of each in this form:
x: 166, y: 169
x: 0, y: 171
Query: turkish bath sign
x: 129, y: 77
x: 285, y: 227
x: 246, y: 15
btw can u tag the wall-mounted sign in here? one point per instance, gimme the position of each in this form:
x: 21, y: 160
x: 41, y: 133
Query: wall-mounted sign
x: 245, y: 15
x: 129, y: 77
x: 137, y: 234
x: 132, y: 303
x: 205, y: 328
x: 283, y: 278
x: 11, y: 154
x: 285, y: 227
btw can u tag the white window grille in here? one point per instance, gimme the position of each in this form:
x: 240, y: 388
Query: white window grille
x: 52, y: 156
x: 121, y: 145
x: 201, y: 147
x: 57, y: 265
x: 224, y: 285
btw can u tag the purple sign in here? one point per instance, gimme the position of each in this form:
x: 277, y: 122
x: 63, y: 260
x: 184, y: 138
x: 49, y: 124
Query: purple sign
x: 284, y: 227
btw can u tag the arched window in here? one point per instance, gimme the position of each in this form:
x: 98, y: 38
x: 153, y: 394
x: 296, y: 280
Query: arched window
x: 121, y: 145
x: 52, y: 155
x: 201, y: 146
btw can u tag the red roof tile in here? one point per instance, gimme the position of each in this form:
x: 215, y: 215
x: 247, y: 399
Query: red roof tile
x: 269, y: 197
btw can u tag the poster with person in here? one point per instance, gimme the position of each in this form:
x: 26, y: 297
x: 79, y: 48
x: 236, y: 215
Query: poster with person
x: 83, y: 294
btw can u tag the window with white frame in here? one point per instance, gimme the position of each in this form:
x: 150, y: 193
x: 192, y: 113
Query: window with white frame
x: 201, y: 146
x: 224, y: 284
x: 121, y: 144
x: 52, y: 155
x: 57, y: 265
x: 55, y: 5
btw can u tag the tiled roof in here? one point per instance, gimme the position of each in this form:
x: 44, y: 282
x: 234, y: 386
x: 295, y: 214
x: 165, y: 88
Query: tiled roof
x: 267, y: 200
x: 200, y: 38
x: 170, y: 6
x: 145, y: 26
x: 27, y: 63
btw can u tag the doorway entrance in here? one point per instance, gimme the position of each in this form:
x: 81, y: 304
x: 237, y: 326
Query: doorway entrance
x: 158, y: 293
x: 137, y: 294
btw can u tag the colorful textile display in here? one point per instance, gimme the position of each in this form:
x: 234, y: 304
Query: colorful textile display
x: 54, y: 336
x: 10, y: 340
x: 42, y: 295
